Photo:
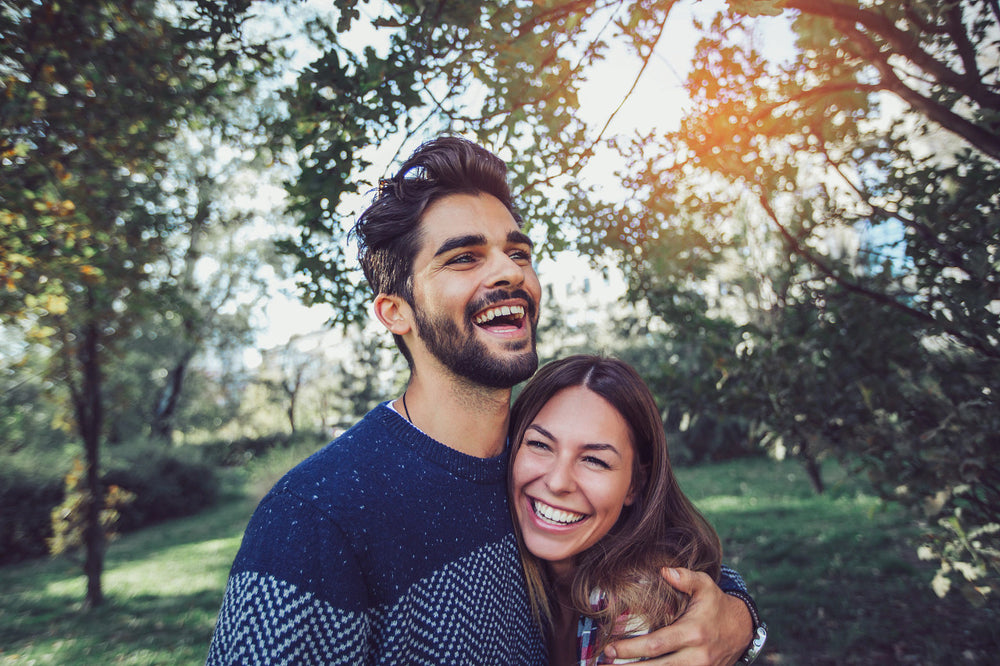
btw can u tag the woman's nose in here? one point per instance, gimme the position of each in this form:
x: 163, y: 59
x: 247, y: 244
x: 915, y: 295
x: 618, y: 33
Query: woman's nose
x: 560, y: 479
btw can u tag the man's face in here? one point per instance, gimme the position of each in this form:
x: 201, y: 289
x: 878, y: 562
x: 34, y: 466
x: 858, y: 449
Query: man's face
x: 475, y: 291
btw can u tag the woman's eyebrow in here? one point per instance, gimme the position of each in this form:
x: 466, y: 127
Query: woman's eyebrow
x: 590, y: 446
x: 535, y: 426
x: 601, y: 446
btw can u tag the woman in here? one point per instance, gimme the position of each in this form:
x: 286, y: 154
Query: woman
x: 596, y: 507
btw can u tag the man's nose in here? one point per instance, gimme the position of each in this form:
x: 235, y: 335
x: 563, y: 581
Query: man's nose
x: 504, y: 271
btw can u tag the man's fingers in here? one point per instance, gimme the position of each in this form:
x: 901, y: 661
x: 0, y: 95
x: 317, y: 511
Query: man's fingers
x: 699, y: 637
x: 660, y: 642
x: 686, y: 580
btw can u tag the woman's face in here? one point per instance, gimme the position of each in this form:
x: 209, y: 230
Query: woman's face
x: 572, y: 475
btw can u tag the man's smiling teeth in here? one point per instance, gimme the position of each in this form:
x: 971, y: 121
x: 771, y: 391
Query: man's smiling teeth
x: 554, y: 515
x: 502, y: 311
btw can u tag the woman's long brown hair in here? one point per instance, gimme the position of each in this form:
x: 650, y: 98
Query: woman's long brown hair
x: 660, y: 528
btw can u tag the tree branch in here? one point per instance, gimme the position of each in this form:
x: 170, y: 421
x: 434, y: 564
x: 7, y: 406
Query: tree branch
x: 588, y: 152
x: 966, y: 51
x: 919, y: 20
x: 560, y: 11
x: 904, y: 43
x: 950, y: 252
x: 995, y: 6
x: 884, y: 299
x: 984, y: 140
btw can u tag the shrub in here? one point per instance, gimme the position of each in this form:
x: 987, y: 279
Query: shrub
x: 708, y: 439
x: 27, y: 498
x: 167, y: 483
x: 239, y: 452
x: 69, y: 518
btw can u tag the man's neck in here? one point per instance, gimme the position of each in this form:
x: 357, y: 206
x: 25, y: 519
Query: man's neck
x: 466, y: 417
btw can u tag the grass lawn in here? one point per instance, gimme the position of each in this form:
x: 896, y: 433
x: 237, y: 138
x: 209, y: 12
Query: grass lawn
x: 832, y: 575
x: 163, y: 587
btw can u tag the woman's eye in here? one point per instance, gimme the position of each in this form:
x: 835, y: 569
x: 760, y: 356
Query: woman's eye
x: 596, y: 462
x: 535, y: 444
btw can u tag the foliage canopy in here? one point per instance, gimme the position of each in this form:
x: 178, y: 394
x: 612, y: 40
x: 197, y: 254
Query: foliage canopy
x: 94, y: 92
x: 831, y: 214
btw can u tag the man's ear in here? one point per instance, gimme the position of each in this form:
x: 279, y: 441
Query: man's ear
x: 394, y: 313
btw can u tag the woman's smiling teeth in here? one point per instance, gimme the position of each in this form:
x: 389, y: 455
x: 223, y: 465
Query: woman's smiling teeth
x: 516, y: 311
x: 554, y: 515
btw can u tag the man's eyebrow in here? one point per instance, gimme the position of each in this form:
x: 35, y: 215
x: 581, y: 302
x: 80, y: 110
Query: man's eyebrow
x: 473, y: 240
x: 519, y: 237
x: 469, y: 240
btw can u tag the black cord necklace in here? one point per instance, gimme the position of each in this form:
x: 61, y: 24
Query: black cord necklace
x: 406, y: 410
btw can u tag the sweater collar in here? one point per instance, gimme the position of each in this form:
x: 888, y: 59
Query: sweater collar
x: 479, y: 470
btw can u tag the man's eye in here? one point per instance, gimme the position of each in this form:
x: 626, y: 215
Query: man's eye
x: 521, y: 255
x: 461, y: 259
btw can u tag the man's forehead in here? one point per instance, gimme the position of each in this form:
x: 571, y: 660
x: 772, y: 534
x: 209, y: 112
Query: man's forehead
x: 466, y: 220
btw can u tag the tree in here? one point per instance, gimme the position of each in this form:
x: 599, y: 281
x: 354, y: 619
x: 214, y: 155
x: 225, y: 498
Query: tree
x: 29, y: 412
x: 882, y: 120
x: 215, y: 266
x: 93, y: 93
x: 885, y: 355
x: 287, y: 370
x: 328, y: 379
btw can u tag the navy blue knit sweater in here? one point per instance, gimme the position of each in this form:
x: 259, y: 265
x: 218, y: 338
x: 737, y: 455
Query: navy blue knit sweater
x: 385, y: 547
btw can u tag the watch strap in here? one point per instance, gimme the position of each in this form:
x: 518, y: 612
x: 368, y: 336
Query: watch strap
x: 751, y: 606
x: 759, y: 627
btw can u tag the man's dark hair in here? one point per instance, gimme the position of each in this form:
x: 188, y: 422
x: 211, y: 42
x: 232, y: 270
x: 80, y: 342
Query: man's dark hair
x: 388, y: 231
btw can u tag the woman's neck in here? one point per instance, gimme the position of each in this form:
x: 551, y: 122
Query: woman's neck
x: 563, y: 643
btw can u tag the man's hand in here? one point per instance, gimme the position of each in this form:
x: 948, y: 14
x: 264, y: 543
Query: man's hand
x: 715, y: 629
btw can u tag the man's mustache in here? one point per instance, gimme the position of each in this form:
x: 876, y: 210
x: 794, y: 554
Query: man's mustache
x: 498, y: 295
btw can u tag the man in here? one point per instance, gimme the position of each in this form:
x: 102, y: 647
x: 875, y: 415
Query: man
x: 393, y: 544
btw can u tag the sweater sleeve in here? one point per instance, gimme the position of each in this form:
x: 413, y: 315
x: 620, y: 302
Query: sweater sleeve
x: 730, y: 580
x: 295, y: 593
x: 732, y: 583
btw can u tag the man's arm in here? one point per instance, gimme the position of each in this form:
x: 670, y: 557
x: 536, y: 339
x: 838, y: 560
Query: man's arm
x: 715, y: 630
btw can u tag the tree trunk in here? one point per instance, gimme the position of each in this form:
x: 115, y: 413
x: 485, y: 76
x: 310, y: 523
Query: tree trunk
x: 90, y: 415
x: 291, y: 387
x: 162, y: 426
x: 291, y: 412
x: 813, y: 468
x: 815, y: 474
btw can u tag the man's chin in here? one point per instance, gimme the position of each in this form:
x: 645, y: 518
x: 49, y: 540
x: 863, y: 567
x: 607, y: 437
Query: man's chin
x: 501, y: 374
x: 478, y: 356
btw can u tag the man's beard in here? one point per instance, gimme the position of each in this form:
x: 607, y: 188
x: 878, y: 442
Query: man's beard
x: 467, y: 356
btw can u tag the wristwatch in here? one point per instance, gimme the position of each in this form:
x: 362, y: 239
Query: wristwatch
x: 756, y: 645
x: 759, y: 628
